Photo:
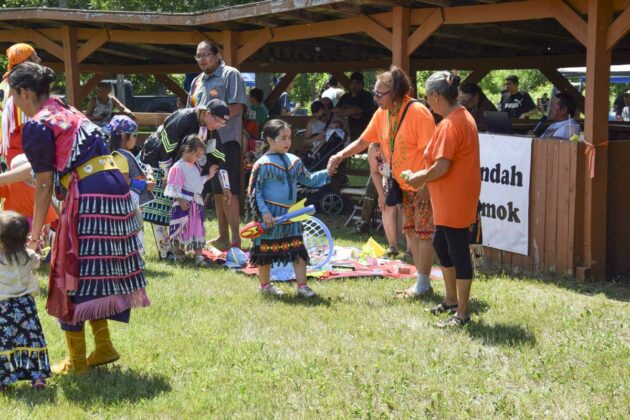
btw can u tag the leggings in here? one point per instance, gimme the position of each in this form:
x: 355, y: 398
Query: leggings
x: 451, y: 247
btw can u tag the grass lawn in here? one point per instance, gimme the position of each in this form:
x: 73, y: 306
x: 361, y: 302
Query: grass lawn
x: 211, y: 346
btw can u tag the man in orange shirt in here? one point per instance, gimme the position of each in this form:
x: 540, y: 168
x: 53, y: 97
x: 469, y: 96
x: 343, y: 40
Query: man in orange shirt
x: 403, y: 129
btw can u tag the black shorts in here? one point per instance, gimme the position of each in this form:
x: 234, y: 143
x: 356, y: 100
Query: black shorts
x: 232, y: 165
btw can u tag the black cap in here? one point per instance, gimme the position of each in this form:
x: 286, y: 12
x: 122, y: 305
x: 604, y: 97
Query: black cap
x: 218, y: 108
x: 357, y: 76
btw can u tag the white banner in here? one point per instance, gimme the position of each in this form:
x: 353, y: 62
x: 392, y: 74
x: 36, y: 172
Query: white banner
x: 505, y: 175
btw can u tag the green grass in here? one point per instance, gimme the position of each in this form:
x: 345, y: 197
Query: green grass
x: 211, y: 346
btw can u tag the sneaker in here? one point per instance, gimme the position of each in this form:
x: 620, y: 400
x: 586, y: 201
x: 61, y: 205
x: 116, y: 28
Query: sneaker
x: 271, y: 289
x: 453, y: 321
x: 306, y: 292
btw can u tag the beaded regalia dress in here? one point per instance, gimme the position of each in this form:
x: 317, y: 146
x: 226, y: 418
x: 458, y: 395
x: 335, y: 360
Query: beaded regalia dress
x: 96, y: 268
x: 273, y: 189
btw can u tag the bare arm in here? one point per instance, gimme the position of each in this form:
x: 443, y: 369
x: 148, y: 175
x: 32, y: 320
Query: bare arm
x: 90, y: 108
x: 20, y: 174
x: 439, y: 168
x: 352, y: 149
x: 235, y: 109
x: 43, y: 197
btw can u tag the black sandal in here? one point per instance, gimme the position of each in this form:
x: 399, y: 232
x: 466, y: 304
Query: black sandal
x: 453, y: 321
x: 442, y: 307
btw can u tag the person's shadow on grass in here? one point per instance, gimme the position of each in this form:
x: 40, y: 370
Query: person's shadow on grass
x: 112, y: 386
x: 500, y: 334
x: 292, y: 299
x: 32, y: 397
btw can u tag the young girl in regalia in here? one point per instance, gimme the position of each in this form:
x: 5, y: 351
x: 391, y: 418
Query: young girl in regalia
x: 272, y: 190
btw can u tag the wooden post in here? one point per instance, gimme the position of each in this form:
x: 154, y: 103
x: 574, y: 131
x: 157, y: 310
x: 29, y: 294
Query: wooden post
x: 596, y: 132
x: 400, y: 32
x: 280, y: 87
x: 172, y: 85
x: 562, y: 84
x: 230, y: 47
x: 87, y: 88
x: 71, y: 66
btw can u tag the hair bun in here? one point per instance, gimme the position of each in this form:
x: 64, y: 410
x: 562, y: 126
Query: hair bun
x: 48, y: 74
x: 455, y: 80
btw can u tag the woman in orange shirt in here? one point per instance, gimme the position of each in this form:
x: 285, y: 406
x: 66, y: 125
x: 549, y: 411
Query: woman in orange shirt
x: 453, y: 176
x: 402, y: 141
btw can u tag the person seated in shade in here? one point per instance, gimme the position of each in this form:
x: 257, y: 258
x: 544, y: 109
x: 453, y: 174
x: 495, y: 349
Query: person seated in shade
x: 561, y: 111
x: 475, y: 101
x: 101, y: 106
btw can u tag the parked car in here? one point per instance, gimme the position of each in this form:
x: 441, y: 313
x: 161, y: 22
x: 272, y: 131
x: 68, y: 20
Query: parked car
x: 144, y: 103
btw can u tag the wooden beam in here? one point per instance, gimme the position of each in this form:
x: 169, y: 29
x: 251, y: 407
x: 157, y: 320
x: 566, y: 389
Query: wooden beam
x: 560, y: 82
x: 425, y: 30
x: 94, y: 43
x: 619, y: 28
x: 376, y: 31
x: 265, y: 35
x: 71, y: 67
x: 215, y: 37
x: 476, y: 75
x: 230, y: 47
x: 400, y: 33
x: 150, y: 118
x: 570, y: 20
x: 90, y: 85
x: 46, y: 43
x: 173, y: 86
x: 500, y: 12
x: 598, y: 61
x: 280, y: 87
x: 131, y: 69
x: 342, y: 79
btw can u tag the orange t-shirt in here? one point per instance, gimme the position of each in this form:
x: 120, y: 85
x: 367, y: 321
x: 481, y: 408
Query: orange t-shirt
x: 20, y: 198
x: 455, y: 195
x: 412, y: 138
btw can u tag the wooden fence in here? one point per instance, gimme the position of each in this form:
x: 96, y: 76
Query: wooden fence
x: 554, y: 212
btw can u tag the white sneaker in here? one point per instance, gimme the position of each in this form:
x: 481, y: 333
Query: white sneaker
x: 271, y: 289
x: 306, y: 292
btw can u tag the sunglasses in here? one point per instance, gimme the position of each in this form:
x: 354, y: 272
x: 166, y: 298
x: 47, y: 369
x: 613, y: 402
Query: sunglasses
x: 202, y: 56
x: 379, y: 95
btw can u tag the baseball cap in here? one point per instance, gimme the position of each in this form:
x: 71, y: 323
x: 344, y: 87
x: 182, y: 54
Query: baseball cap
x: 218, y: 108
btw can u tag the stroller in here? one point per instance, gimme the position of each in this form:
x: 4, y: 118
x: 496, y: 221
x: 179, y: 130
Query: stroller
x: 326, y: 199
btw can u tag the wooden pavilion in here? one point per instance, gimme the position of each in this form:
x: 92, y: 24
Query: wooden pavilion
x: 577, y: 224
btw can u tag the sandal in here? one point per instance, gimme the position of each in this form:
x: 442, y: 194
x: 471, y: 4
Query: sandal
x: 453, y: 321
x: 442, y: 307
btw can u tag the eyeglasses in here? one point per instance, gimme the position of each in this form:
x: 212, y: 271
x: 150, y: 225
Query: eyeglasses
x: 202, y: 56
x: 379, y: 95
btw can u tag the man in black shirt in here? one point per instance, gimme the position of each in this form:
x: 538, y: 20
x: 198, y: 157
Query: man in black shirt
x: 518, y: 104
x: 358, y: 105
